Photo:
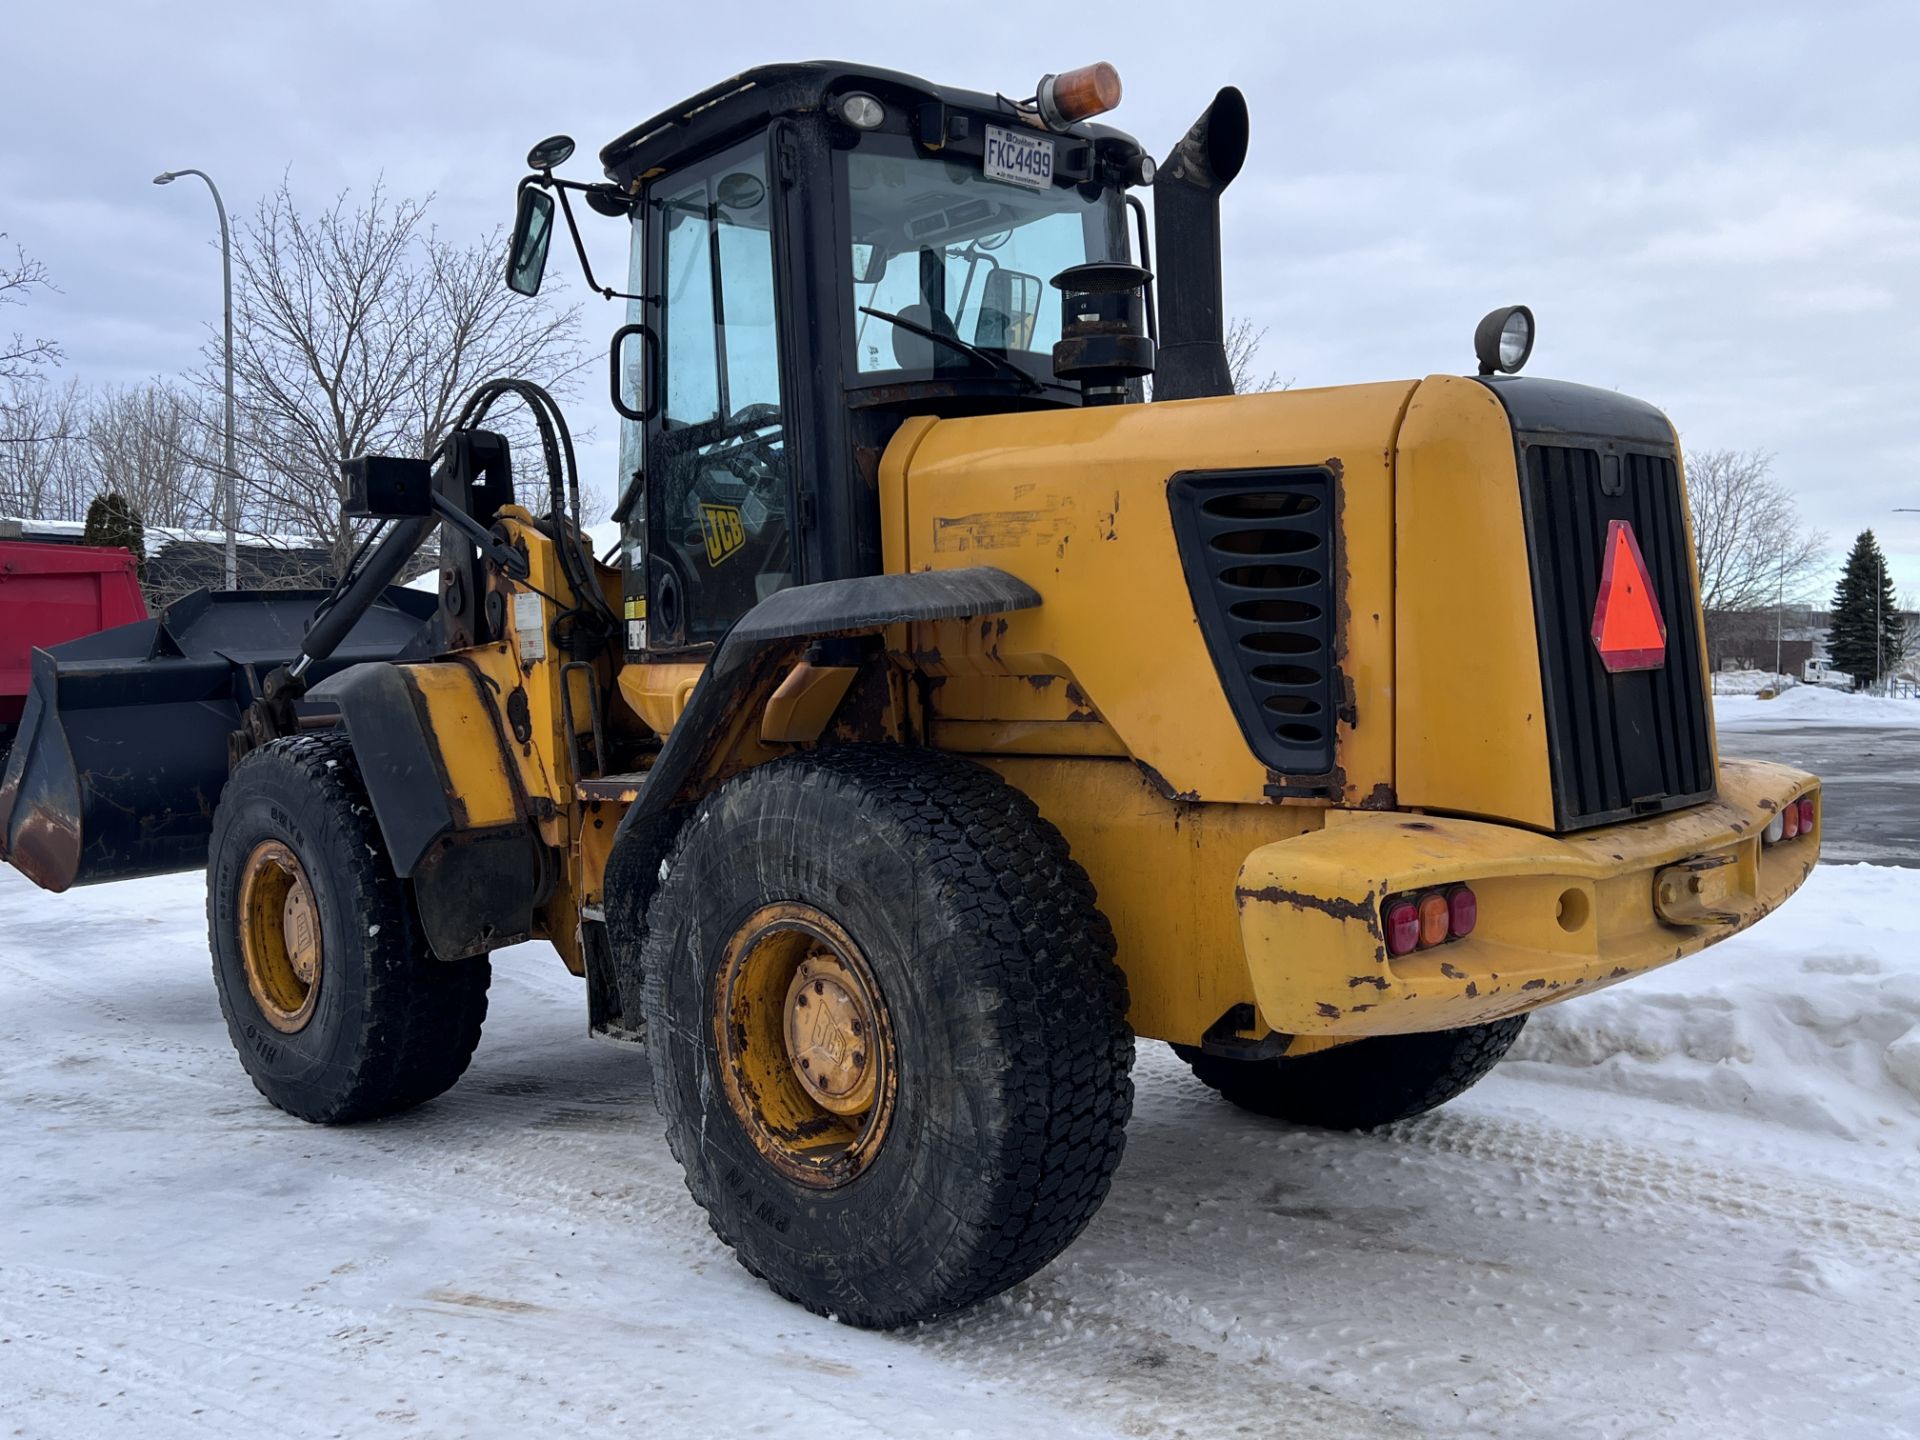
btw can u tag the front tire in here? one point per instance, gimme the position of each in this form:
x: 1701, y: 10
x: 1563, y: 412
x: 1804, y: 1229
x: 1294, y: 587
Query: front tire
x: 887, y: 1032
x: 1362, y: 1084
x: 333, y: 999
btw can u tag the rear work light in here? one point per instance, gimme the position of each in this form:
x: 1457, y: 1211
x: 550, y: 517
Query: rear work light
x: 1422, y: 919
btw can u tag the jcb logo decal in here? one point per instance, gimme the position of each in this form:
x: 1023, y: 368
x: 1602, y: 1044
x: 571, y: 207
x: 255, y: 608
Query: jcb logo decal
x: 725, y: 534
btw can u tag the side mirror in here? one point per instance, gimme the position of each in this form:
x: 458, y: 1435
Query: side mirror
x: 532, y: 233
x: 869, y: 262
x: 1009, y: 310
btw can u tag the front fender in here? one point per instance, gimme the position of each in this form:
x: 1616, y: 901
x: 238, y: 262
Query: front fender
x: 427, y: 741
x: 727, y: 706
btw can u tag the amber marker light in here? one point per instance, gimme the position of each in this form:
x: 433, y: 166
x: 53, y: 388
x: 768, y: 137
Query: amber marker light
x: 1078, y: 94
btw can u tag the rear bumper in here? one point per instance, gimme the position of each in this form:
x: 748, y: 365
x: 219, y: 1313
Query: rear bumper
x: 1558, y: 915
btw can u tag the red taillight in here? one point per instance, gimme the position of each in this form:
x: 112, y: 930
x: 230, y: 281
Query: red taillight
x: 1462, y: 911
x: 1805, y: 806
x: 1789, y: 820
x: 1403, y: 927
x: 1420, y: 921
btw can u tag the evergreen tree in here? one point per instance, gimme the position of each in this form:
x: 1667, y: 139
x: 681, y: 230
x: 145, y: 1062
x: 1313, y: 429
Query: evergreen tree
x: 1866, y: 618
x: 112, y: 521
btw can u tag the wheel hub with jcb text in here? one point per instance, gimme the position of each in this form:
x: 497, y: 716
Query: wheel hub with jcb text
x: 280, y: 942
x: 806, y: 1050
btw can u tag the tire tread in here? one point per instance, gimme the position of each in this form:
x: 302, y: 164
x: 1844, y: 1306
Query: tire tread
x: 1022, y: 899
x: 422, y: 1017
x: 1364, y: 1084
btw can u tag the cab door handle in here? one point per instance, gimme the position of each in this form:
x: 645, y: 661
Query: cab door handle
x: 649, y: 389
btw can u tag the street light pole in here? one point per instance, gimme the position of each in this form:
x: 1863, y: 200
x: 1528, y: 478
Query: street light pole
x: 1779, y: 616
x: 224, y: 499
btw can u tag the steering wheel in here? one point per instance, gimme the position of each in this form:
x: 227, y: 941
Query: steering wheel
x: 753, y: 416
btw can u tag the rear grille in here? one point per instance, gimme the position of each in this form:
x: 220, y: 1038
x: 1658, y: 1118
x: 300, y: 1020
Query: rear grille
x: 1258, y: 550
x: 1626, y: 744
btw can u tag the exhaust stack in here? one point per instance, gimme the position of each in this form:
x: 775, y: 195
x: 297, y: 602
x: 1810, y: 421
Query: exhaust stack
x: 1186, y: 222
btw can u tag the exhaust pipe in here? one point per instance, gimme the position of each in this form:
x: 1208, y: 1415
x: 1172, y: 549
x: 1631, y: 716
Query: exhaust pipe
x: 1186, y: 222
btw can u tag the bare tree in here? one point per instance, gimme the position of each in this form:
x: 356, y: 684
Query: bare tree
x: 1243, y: 349
x: 21, y: 356
x: 360, y: 329
x: 1905, y: 656
x: 149, y: 444
x: 1754, y: 549
x: 28, y: 421
x: 43, y: 463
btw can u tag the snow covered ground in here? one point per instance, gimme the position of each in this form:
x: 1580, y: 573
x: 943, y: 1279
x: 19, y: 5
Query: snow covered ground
x: 1806, y: 705
x: 1687, y: 1207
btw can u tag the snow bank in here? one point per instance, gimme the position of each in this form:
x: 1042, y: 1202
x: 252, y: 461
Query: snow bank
x: 1750, y: 682
x: 1811, y: 1019
x: 1812, y: 705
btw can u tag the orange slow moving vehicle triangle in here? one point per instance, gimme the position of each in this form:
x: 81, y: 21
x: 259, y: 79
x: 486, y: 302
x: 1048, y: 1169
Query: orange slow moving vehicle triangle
x: 1628, y: 629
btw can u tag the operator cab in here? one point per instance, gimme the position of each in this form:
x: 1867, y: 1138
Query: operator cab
x: 818, y: 252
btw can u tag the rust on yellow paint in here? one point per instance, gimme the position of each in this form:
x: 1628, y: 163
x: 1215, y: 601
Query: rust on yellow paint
x: 599, y: 819
x: 1558, y: 915
x: 1165, y: 873
x: 985, y: 713
x: 1006, y: 529
x: 1074, y: 502
x: 462, y: 727
x: 1103, y: 705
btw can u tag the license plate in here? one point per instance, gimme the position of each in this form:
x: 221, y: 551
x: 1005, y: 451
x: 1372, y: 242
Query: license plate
x: 1018, y: 159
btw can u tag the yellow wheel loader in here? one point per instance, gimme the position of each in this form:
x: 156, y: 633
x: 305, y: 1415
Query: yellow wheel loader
x: 955, y: 712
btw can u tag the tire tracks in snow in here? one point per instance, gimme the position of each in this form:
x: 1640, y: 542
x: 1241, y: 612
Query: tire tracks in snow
x: 1633, y: 1181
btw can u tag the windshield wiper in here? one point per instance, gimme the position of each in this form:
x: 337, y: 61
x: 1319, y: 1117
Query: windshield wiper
x: 993, y: 362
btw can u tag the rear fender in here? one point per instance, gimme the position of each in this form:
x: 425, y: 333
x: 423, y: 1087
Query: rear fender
x: 445, y: 796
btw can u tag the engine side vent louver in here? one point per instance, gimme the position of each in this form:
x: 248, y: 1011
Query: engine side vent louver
x: 1257, y: 546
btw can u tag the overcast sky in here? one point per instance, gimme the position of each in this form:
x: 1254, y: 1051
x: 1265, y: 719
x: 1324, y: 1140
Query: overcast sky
x: 1716, y: 208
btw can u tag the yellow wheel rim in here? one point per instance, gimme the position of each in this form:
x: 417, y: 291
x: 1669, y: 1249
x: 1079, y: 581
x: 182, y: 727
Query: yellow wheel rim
x: 279, y: 936
x: 806, y: 1048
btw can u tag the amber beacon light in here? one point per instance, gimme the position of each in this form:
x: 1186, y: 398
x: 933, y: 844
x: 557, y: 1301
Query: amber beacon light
x: 1078, y: 94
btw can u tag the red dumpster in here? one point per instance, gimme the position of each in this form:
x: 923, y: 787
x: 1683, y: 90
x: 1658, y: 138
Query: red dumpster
x: 51, y: 593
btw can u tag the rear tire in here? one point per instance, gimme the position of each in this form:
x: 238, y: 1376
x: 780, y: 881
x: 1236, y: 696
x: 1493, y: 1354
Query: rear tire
x: 941, y: 912
x: 333, y: 999
x: 1365, y: 1083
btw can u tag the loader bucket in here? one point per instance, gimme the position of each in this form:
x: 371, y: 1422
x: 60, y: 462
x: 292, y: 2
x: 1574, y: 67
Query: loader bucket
x: 122, y: 748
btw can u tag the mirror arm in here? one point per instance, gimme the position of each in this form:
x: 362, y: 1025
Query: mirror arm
x: 548, y: 180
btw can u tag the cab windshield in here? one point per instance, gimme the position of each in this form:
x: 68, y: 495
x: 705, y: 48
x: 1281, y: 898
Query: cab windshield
x: 946, y: 249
